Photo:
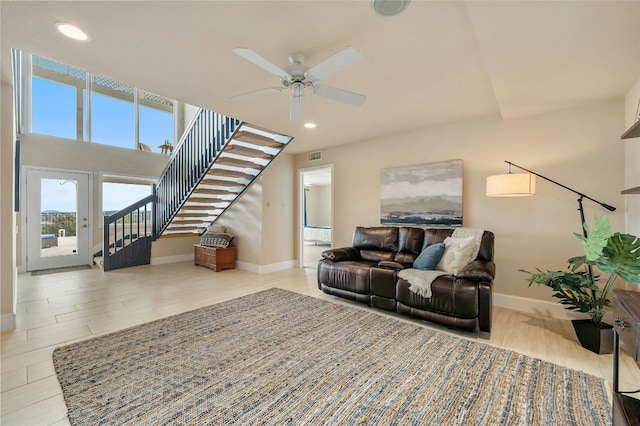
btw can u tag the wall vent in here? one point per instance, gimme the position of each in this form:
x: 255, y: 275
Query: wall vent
x: 314, y: 156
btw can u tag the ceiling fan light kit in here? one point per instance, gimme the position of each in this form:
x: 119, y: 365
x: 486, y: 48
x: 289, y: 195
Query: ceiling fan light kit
x: 297, y: 77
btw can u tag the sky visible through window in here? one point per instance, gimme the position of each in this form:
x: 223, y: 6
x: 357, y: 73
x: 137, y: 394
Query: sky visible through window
x: 54, y: 113
x: 61, y: 195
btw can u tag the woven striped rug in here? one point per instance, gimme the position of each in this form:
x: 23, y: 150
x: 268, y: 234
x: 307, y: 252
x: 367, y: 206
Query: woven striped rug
x: 281, y: 358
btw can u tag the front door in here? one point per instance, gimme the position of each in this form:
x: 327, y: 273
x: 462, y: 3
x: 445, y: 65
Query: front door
x: 58, y: 228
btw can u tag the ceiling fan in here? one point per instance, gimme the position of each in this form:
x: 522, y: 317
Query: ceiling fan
x: 297, y: 77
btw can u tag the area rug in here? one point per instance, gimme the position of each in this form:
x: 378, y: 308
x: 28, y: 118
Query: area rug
x: 58, y: 270
x: 281, y: 358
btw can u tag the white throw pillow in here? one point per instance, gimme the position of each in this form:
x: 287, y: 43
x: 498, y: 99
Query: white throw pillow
x: 457, y: 254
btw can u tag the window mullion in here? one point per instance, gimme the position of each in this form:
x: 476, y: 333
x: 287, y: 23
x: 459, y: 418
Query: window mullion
x: 28, y: 105
x: 89, y: 90
x: 136, y: 121
x: 79, y: 113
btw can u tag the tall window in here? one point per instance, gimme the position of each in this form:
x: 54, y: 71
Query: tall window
x: 60, y: 107
x: 155, y: 120
x: 57, y: 95
x: 112, y: 102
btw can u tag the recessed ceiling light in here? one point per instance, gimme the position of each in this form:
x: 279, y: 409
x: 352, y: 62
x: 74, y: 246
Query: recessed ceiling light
x: 71, y: 31
x: 309, y: 125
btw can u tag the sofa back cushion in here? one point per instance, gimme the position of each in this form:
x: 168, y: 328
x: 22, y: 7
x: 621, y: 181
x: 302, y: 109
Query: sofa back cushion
x: 376, y: 243
x: 410, y: 242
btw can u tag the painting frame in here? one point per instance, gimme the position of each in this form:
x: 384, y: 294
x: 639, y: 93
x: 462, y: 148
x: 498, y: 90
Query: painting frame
x: 424, y: 195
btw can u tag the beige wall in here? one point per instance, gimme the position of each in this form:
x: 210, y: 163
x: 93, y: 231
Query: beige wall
x: 319, y: 205
x: 632, y: 161
x: 262, y: 219
x: 580, y: 148
x: 8, y: 278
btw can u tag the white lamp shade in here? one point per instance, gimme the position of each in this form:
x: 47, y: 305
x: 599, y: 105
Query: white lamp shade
x: 511, y: 185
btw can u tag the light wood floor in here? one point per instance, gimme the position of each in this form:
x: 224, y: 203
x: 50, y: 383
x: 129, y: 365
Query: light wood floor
x: 62, y: 308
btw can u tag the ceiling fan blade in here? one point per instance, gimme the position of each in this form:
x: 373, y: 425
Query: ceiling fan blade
x: 252, y: 56
x: 334, y: 93
x: 333, y: 64
x: 255, y: 94
x: 297, y: 107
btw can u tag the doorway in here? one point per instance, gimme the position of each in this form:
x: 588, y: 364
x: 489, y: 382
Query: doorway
x: 58, y: 229
x: 316, y: 214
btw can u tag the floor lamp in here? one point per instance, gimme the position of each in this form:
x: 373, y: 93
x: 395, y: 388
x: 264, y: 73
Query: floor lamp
x: 523, y: 184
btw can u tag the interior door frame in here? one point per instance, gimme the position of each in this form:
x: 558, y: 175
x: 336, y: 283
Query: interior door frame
x: 23, y: 208
x: 301, y: 197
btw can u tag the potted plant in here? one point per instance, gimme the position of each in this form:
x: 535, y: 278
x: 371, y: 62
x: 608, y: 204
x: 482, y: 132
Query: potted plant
x: 577, y: 287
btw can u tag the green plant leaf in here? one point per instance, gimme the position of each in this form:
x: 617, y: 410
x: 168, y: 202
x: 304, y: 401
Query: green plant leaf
x: 621, y: 256
x: 597, y: 237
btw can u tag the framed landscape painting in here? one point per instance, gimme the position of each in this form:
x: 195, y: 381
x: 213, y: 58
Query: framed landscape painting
x: 427, y: 194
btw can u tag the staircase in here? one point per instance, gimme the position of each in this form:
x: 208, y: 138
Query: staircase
x: 215, y: 161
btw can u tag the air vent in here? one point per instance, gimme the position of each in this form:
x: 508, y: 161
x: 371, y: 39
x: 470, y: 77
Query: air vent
x: 314, y: 156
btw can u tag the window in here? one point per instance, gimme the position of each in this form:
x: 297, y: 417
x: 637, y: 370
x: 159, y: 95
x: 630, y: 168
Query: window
x: 64, y: 84
x: 112, y: 102
x: 60, y: 107
x: 155, y: 118
x: 118, y: 195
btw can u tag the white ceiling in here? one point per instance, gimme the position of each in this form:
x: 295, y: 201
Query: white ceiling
x: 437, y: 62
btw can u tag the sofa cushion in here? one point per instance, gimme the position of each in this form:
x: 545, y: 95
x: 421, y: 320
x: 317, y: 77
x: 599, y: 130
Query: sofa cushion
x: 347, y: 275
x: 377, y: 255
x: 449, y: 297
x: 382, y: 238
x: 457, y: 254
x: 430, y: 257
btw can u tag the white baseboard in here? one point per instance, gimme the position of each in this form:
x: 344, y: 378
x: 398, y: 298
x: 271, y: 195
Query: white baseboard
x: 7, y: 322
x: 534, y: 306
x: 171, y: 259
x: 265, y: 269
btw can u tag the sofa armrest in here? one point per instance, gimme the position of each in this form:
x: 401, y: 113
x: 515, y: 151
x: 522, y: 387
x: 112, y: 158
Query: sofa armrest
x: 390, y: 264
x: 478, y: 270
x: 341, y: 254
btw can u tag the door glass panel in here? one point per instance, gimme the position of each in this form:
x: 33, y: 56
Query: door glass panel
x: 58, y: 212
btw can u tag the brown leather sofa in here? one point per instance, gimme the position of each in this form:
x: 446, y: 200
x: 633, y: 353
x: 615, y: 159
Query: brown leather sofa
x: 367, y: 272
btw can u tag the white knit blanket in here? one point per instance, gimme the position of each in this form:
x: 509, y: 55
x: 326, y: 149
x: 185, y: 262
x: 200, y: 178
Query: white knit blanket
x: 420, y: 281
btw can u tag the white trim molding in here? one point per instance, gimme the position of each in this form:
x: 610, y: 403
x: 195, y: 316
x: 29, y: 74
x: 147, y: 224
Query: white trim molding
x: 7, y: 322
x: 534, y: 306
x: 265, y: 269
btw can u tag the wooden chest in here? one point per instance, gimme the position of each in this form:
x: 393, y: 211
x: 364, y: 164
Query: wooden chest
x: 214, y: 257
x: 626, y: 311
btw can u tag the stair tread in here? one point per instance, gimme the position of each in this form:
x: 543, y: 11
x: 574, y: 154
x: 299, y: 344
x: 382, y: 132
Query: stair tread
x: 199, y: 214
x: 239, y: 163
x: 220, y: 182
x: 256, y: 139
x: 173, y: 227
x: 200, y: 190
x: 180, y: 234
x: 230, y: 173
x: 188, y: 222
x: 200, y: 207
x: 245, y: 151
x: 207, y: 200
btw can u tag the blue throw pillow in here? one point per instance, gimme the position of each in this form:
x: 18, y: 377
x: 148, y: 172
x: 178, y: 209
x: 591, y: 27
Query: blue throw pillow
x: 429, y: 258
